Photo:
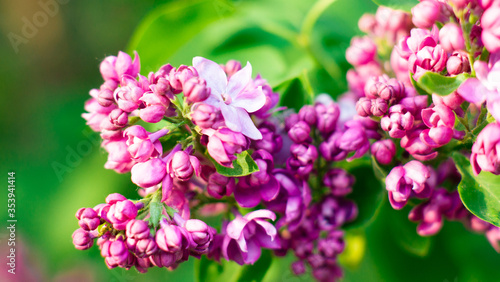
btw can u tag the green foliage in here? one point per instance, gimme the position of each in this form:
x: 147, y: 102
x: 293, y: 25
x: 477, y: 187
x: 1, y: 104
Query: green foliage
x: 243, y: 165
x: 368, y: 193
x: 480, y: 194
x: 404, y: 5
x: 432, y: 82
x: 209, y: 270
x: 155, y: 209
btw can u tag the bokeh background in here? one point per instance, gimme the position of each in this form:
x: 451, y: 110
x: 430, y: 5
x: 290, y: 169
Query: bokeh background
x: 44, y: 82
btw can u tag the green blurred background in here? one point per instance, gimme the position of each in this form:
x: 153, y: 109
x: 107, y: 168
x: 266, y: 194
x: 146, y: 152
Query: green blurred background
x: 59, y: 164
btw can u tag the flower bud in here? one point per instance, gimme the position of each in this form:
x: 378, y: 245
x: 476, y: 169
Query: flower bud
x: 379, y: 107
x: 308, y: 114
x: 105, y: 98
x: 457, y: 63
x: 339, y: 181
x: 364, y: 107
x: 383, y: 151
x: 196, y: 90
x: 219, y: 185
x: 299, y: 132
x: 361, y: 51
x: 82, y: 239
x: 183, y: 165
x: 328, y: 116
x: 137, y: 229
x: 88, y: 219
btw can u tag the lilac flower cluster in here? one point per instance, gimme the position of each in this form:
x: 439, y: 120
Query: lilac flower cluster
x: 428, y: 133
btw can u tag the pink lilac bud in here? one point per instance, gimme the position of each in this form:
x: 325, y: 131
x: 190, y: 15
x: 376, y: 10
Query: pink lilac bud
x: 419, y: 39
x: 161, y: 87
x: 196, y: 90
x: 361, y: 51
x: 142, y: 264
x: 457, y: 63
x: 113, y: 68
x: 204, y: 115
x: 138, y: 229
x: 141, y: 144
x: 477, y: 225
x: 451, y: 37
x: 179, y: 77
x: 88, y: 219
x: 119, y: 158
x: 427, y: 12
x: 219, y: 185
x: 224, y: 143
x: 105, y: 98
x: 308, y: 114
x: 303, y: 157
x: 120, y: 213
x: 354, y: 140
x: 413, y: 144
x: 128, y: 97
x: 484, y: 151
x: 271, y: 141
x: 95, y: 112
x: 339, y: 181
x: 427, y: 59
x: 384, y: 151
x: 82, y: 239
x: 415, y: 105
x: 372, y: 85
x: 163, y: 259
x: 299, y: 132
x: 201, y: 234
x: 402, y: 181
x: 330, y: 149
x: 183, y: 166
x: 379, y: 107
x: 441, y: 120
x: 115, y: 253
x: 364, y: 107
x: 149, y: 173
x: 397, y: 122
x: 171, y: 238
x: 156, y: 108
x: 328, y: 116
x: 142, y: 247
x: 367, y: 23
x: 232, y: 67
x: 392, y: 23
x: 118, y: 118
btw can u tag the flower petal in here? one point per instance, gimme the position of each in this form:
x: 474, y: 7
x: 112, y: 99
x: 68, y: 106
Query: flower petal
x: 248, y: 128
x: 251, y: 101
x: 231, y: 117
x: 239, y: 81
x: 473, y: 91
x: 212, y: 73
x: 235, y: 227
x: 260, y: 214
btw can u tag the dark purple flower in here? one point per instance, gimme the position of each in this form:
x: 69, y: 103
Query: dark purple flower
x: 383, y: 151
x: 328, y: 116
x: 299, y: 132
x: 219, y: 185
x: 339, y: 181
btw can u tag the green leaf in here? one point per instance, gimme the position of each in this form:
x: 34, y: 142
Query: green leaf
x: 367, y: 192
x: 208, y: 270
x: 480, y: 194
x: 243, y: 165
x: 155, y: 209
x: 433, y: 82
x: 257, y: 271
x: 404, y: 5
x: 167, y: 28
x: 417, y: 86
